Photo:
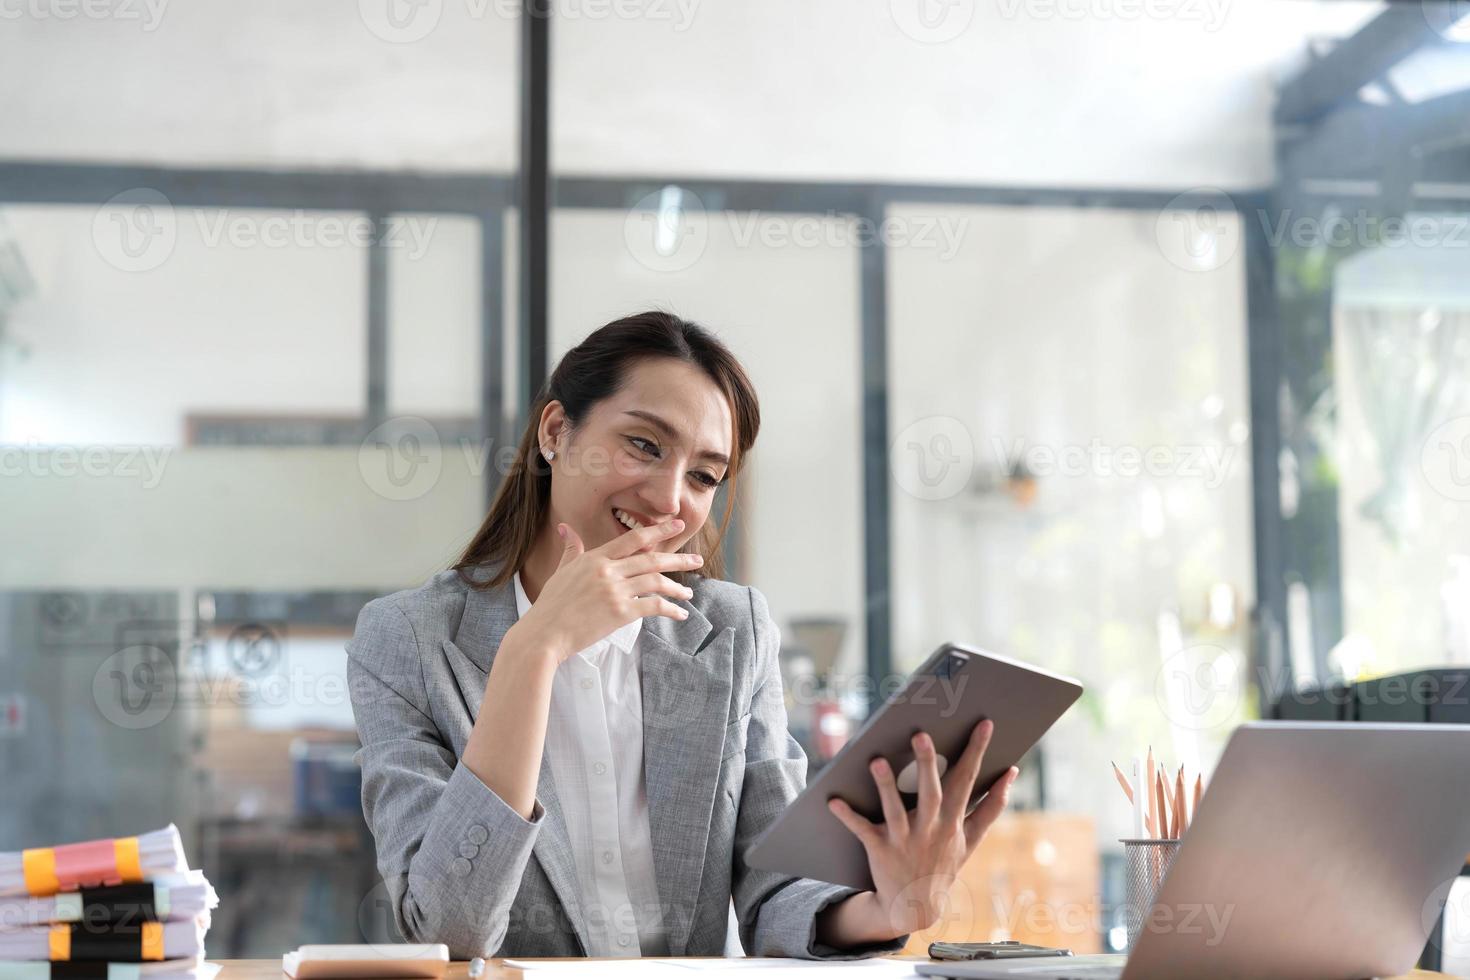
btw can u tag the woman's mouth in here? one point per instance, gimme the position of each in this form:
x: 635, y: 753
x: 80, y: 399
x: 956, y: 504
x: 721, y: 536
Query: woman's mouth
x: 618, y: 516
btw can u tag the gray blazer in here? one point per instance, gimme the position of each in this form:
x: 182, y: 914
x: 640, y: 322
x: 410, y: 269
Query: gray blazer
x: 463, y: 868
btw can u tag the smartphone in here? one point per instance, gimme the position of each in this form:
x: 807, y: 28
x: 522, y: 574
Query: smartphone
x: 1007, y: 950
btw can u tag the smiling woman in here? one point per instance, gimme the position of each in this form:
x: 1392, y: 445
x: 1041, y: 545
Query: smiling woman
x: 571, y: 738
x: 650, y: 415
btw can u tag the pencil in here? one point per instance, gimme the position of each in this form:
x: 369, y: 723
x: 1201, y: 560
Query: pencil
x: 1170, y: 802
x: 1181, y: 815
x: 1163, y: 810
x: 1151, y: 818
x: 1140, y: 797
x: 1123, y: 782
x: 1199, y: 789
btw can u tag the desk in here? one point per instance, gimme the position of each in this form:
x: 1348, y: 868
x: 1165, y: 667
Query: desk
x: 271, y: 970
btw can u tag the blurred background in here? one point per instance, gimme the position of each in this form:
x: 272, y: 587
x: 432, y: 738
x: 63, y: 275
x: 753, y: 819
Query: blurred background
x: 1130, y: 338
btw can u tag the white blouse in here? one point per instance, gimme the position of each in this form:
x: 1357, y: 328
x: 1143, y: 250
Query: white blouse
x: 594, y: 744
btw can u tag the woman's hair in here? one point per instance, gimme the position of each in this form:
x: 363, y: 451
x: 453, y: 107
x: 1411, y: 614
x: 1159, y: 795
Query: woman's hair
x: 593, y: 370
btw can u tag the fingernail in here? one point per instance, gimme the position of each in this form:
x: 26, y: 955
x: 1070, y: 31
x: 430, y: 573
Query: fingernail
x: 876, y: 767
x: 561, y: 531
x: 676, y: 524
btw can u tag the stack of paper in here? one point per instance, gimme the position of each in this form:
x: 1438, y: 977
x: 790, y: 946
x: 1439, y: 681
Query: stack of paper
x: 195, y: 969
x: 115, y: 909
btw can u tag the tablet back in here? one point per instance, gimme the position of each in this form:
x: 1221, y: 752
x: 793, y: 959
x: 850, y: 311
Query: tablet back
x: 947, y: 696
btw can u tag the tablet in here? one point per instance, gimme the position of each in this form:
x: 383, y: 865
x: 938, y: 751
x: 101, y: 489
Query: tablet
x: 952, y: 692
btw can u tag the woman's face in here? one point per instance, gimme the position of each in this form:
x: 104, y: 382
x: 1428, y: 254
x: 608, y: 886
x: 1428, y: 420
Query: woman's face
x: 655, y: 450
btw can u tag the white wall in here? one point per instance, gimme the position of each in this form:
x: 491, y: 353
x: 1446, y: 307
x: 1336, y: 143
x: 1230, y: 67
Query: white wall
x: 275, y: 82
x: 242, y: 311
x: 104, y: 353
x: 1027, y: 92
x: 267, y: 519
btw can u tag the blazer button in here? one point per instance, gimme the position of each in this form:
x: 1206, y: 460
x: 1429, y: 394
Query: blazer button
x: 467, y: 850
x: 477, y: 834
x: 460, y: 867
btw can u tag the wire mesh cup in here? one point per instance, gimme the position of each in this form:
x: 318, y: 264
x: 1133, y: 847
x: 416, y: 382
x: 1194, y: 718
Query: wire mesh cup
x: 1145, y: 863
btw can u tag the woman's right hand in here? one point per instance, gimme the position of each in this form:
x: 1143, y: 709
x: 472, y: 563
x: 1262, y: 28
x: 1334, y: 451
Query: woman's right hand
x: 592, y: 593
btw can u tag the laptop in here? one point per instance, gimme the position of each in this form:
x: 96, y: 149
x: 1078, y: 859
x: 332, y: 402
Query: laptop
x: 1320, y: 850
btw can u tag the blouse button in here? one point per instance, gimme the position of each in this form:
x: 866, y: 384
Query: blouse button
x: 600, y: 768
x: 460, y: 867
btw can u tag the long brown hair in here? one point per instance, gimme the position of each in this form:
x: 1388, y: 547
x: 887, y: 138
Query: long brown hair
x: 593, y: 370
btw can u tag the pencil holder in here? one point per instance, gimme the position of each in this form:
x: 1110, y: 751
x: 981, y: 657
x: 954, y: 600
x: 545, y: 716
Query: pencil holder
x: 1145, y: 863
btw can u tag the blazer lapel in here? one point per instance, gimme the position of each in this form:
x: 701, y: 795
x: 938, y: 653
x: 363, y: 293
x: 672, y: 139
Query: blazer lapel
x: 488, y: 616
x: 686, y: 701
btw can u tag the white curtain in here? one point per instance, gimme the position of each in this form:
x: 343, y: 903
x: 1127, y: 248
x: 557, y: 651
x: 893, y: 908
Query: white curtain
x: 1410, y: 367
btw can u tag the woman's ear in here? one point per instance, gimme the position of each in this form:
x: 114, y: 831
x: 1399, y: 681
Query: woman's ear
x: 553, y: 423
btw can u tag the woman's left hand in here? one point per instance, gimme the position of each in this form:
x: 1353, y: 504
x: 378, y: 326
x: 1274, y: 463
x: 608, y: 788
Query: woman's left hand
x: 915, y: 855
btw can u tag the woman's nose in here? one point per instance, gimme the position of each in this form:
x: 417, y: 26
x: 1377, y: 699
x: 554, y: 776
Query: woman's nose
x: 662, y: 495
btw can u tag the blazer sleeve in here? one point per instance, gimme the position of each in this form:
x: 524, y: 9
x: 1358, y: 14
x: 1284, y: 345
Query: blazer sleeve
x: 451, y: 852
x: 778, y: 914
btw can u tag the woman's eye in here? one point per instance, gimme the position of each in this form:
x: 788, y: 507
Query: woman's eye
x: 640, y: 443
x: 705, y: 480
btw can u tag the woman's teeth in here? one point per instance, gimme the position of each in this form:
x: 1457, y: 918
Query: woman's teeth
x: 625, y: 520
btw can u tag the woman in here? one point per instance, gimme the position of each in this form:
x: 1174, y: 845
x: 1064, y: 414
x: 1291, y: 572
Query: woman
x: 571, y: 737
